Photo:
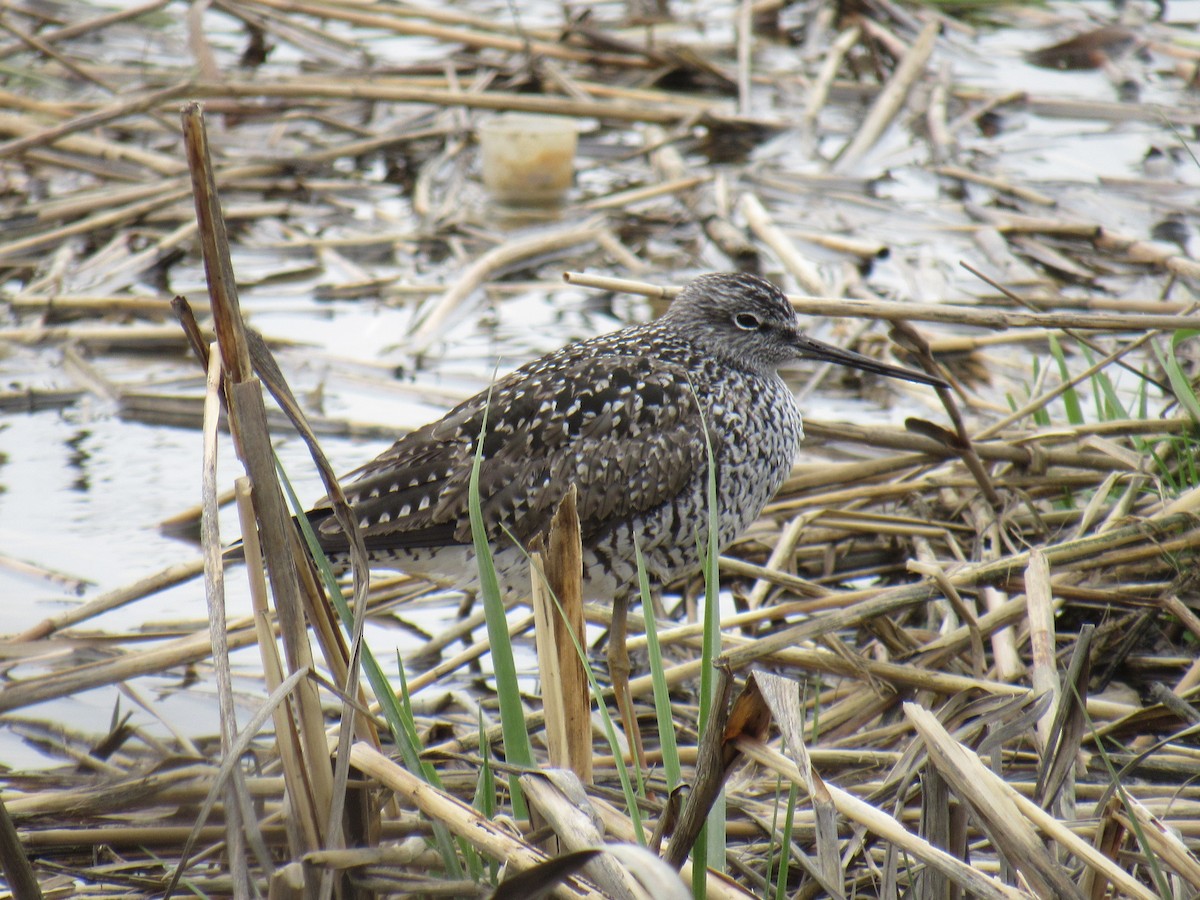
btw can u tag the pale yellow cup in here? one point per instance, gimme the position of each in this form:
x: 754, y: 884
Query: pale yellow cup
x: 528, y: 160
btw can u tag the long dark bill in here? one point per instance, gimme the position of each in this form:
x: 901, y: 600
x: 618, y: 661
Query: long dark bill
x: 810, y: 348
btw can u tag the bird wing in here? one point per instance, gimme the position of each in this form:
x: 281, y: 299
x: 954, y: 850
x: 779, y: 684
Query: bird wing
x: 625, y: 430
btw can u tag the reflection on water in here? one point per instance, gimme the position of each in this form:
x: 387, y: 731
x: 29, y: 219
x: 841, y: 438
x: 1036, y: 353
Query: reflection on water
x: 77, y: 459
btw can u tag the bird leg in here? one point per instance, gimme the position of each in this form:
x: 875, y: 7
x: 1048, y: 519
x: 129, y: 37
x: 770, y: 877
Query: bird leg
x: 618, y: 671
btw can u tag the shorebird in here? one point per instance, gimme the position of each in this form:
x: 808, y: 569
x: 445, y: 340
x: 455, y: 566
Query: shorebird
x: 625, y: 418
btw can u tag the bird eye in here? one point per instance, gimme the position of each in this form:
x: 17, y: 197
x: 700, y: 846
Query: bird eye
x: 747, y: 322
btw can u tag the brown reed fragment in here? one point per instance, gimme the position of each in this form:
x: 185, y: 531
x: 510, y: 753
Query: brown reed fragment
x: 145, y: 102
x: 886, y: 827
x: 1089, y: 110
x: 628, y: 199
x: 1049, y: 258
x: 310, y: 783
x: 32, y: 399
x: 979, y: 106
x: 887, y: 105
x: 404, y: 23
x: 1134, y: 249
x: 22, y: 567
x: 760, y: 222
x: 863, y: 248
x: 59, y: 161
x: 1056, y: 778
x: 999, y: 184
x: 941, y: 139
x: 38, y: 46
x: 486, y: 836
x: 923, y: 312
x: 143, y: 587
x: 734, y: 566
x: 214, y: 590
x: 559, y: 797
x: 434, y: 320
x: 86, y: 26
x: 387, y: 91
x: 962, y: 442
x: 59, y: 306
x: 90, y: 675
x: 310, y: 39
x: 727, y: 237
x: 715, y: 758
x: 818, y: 91
x: 1042, y: 644
x: 564, y: 574
x: 97, y: 337
x: 647, y: 95
x: 17, y: 871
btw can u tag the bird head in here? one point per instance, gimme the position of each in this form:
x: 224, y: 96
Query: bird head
x: 749, y: 321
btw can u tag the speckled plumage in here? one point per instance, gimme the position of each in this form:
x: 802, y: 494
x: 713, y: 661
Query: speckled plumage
x: 623, y: 417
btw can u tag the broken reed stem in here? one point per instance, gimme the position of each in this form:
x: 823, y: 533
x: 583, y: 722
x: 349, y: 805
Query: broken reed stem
x: 486, y: 836
x: 948, y: 314
x: 558, y: 613
x: 214, y: 590
x: 310, y: 780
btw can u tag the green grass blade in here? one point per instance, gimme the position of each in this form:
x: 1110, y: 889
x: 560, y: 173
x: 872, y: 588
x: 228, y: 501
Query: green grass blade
x: 710, y: 844
x: 771, y: 839
x: 485, y: 788
x: 711, y: 645
x: 1109, y: 405
x: 518, y: 750
x: 1070, y: 396
x: 441, y: 834
x: 397, y: 715
x: 717, y: 836
x: 785, y: 852
x: 662, y: 693
x: 485, y: 799
x: 1181, y: 386
x: 1135, y: 825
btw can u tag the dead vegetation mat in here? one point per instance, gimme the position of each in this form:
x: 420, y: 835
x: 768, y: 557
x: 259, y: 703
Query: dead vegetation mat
x: 963, y: 642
